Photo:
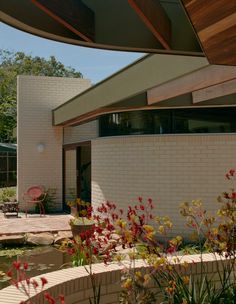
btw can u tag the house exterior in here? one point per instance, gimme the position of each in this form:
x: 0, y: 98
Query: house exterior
x: 163, y: 127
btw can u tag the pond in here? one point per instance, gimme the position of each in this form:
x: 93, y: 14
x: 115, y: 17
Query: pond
x: 40, y: 259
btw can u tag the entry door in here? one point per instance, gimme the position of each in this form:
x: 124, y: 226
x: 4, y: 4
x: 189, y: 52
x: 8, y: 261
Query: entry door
x: 83, y: 165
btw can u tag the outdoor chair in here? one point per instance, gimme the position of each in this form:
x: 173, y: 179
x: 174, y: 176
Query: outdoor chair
x: 35, y: 195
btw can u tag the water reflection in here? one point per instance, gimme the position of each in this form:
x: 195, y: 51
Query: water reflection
x: 40, y: 260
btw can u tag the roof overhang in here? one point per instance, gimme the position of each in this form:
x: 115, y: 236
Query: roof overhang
x: 132, y: 25
x: 137, y: 78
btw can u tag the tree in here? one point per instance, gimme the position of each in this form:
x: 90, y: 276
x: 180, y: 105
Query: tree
x: 19, y: 63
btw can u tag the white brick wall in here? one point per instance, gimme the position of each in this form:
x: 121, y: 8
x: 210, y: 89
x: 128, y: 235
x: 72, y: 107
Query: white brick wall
x: 81, y: 133
x: 169, y: 169
x: 75, y: 284
x: 37, y: 96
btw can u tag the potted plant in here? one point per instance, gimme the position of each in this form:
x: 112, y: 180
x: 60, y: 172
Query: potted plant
x: 82, y: 220
x: 80, y: 224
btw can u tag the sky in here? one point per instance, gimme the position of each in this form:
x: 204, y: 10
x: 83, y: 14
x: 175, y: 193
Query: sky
x: 94, y: 64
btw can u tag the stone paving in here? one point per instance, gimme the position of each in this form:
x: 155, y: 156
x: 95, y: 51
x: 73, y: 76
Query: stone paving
x: 33, y: 223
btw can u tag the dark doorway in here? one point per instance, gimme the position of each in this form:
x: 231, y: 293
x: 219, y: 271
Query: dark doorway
x: 76, y: 173
x: 83, y: 172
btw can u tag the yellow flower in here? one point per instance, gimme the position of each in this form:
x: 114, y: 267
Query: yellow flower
x: 127, y: 284
x: 138, y: 275
x: 128, y: 236
x: 147, y: 279
x: 120, y: 223
x: 119, y: 258
x: 197, y: 203
x: 148, y: 228
x: 161, y: 229
x: 185, y: 279
x: 158, y: 262
x: 185, y: 264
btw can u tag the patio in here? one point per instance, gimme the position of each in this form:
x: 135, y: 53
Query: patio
x: 33, y: 224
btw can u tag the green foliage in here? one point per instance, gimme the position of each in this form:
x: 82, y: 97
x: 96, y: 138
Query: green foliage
x: 48, y: 200
x: 19, y: 63
x: 16, y: 251
x: 7, y: 194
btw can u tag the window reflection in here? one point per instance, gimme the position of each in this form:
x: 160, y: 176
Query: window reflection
x: 200, y: 120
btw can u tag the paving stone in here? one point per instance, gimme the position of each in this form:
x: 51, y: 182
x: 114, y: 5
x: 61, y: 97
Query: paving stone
x: 34, y: 223
x: 12, y: 239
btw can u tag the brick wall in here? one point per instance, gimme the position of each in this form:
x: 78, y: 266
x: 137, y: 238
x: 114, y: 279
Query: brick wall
x: 37, y: 96
x: 169, y: 169
x: 75, y: 285
x: 81, y: 133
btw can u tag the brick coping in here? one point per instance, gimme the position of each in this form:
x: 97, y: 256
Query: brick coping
x: 76, y: 279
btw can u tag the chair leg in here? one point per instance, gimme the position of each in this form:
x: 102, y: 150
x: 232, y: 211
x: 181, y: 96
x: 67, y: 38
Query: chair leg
x: 40, y: 211
x: 43, y: 209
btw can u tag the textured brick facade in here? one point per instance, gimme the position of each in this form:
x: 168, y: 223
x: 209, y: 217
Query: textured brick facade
x: 75, y: 284
x: 37, y: 97
x: 81, y: 133
x: 169, y: 169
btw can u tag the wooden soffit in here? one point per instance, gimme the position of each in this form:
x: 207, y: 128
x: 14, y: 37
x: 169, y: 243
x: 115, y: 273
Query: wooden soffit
x: 73, y: 14
x: 215, y: 91
x: 215, y: 24
x: 196, y: 80
x: 155, y: 18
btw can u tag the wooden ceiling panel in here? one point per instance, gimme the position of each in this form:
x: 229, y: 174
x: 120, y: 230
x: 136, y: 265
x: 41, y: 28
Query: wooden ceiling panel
x: 215, y: 24
x: 155, y: 18
x: 73, y: 14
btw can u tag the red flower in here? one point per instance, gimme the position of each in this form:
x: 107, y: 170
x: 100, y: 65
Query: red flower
x: 226, y: 195
x: 62, y: 299
x: 95, y: 250
x: 171, y: 249
x: 142, y: 207
x: 44, y: 281
x: 16, y: 265
x: 231, y: 172
x: 49, y: 298
x: 35, y: 284
x: 140, y: 199
x: 26, y: 265
x: 71, y: 251
x: 9, y: 273
x: 233, y: 195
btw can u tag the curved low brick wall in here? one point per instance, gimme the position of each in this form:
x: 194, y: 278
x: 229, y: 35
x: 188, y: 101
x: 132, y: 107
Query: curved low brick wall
x: 75, y: 284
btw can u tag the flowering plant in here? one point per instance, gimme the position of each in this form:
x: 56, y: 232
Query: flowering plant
x: 146, y: 236
x: 30, y: 287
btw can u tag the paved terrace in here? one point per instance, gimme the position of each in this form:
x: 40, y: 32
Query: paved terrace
x: 34, y: 223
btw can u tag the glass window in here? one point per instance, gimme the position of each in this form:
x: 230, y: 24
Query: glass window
x: 12, y: 163
x: 3, y: 179
x: 3, y: 163
x: 204, y: 120
x: 173, y: 121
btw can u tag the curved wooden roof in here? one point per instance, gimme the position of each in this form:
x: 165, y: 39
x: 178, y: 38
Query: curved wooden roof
x: 161, y: 26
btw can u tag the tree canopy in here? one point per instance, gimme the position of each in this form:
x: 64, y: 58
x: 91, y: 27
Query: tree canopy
x: 19, y: 63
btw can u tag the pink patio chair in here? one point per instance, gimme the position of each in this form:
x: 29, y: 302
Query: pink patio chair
x: 33, y: 196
